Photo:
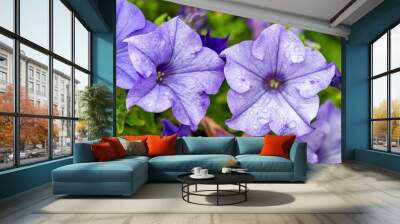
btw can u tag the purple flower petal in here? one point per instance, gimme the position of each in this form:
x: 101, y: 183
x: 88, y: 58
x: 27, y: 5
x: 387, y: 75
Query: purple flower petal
x: 242, y: 70
x: 190, y: 102
x: 171, y: 129
x: 149, y: 26
x: 274, y: 83
x: 255, y: 119
x: 310, y: 84
x: 124, y: 81
x: 257, y: 26
x: 153, y: 98
x: 337, y: 79
x: 129, y: 19
x: 175, y: 71
x: 312, y: 62
x: 214, y: 43
x: 125, y: 73
x: 194, y: 17
x: 324, y: 142
x: 149, y: 50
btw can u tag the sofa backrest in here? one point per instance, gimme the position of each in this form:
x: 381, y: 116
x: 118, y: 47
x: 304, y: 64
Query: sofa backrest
x: 83, y: 152
x: 249, y: 145
x: 206, y: 145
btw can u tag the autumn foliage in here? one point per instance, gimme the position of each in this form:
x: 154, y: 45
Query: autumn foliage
x: 33, y: 131
x: 379, y: 128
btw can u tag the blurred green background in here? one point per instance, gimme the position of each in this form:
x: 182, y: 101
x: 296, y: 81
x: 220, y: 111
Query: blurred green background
x: 136, y: 121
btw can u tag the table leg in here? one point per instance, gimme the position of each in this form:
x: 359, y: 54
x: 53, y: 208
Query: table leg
x: 188, y: 189
x: 217, y: 194
x: 245, y: 193
x: 195, y: 188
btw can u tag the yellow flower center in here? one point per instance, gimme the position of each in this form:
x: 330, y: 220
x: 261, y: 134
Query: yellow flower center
x: 273, y: 83
x: 160, y: 76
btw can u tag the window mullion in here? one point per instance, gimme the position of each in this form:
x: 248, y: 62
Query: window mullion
x: 73, y: 82
x: 389, y: 104
x: 50, y: 81
x: 16, y: 84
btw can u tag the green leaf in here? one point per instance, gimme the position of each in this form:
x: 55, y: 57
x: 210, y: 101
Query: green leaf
x: 331, y: 46
x: 133, y: 119
x: 161, y: 19
x: 333, y: 94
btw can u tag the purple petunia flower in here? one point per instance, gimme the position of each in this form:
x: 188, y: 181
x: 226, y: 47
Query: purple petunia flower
x: 130, y: 21
x: 215, y: 43
x: 194, y: 17
x: 324, y: 142
x: 257, y: 26
x: 274, y: 81
x: 337, y: 79
x: 169, y: 129
x: 175, y: 71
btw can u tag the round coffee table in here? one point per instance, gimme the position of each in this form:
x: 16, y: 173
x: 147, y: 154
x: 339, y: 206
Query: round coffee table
x: 238, y: 179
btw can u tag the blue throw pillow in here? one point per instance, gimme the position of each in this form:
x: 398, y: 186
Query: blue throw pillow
x: 208, y: 145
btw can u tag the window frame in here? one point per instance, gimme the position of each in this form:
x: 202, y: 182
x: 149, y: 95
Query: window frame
x: 16, y: 114
x: 388, y: 74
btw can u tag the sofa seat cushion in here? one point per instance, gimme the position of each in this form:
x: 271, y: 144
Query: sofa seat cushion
x: 133, y: 158
x: 185, y: 163
x: 113, y: 171
x: 257, y: 163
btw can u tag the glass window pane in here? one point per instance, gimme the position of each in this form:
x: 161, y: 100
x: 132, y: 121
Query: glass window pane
x: 7, y: 14
x: 34, y: 97
x: 81, y: 131
x: 379, y: 135
x: 81, y: 45
x: 395, y: 135
x: 379, y: 56
x: 62, y: 138
x: 62, y: 89
x: 6, y: 74
x: 6, y: 142
x: 395, y: 47
x: 81, y: 81
x: 379, y: 97
x: 33, y: 139
x: 395, y: 94
x: 35, y: 21
x: 62, y: 29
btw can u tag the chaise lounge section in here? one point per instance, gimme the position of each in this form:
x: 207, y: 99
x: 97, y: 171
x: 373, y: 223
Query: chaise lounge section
x: 125, y: 176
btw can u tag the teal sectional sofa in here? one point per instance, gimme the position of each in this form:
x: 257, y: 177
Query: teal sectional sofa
x: 125, y: 176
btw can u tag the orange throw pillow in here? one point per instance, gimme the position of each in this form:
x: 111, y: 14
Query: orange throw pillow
x: 277, y: 145
x: 161, y: 145
x: 135, y: 137
x: 103, y: 152
x: 116, y: 145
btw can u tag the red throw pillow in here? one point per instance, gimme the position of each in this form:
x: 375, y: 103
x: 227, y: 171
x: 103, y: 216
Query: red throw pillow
x: 135, y: 137
x: 277, y: 145
x: 161, y: 145
x: 103, y: 152
x: 116, y: 145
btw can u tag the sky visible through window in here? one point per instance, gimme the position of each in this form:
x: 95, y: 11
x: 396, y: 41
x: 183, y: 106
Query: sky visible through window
x: 35, y: 12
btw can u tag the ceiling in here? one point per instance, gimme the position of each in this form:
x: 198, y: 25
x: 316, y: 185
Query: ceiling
x: 326, y: 16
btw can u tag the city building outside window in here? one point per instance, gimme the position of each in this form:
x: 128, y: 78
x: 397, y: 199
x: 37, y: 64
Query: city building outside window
x: 57, y: 126
x: 30, y: 87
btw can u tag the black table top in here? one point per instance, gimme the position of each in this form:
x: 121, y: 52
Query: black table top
x: 220, y: 178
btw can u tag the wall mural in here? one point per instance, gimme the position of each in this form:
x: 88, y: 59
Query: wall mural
x: 195, y: 72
